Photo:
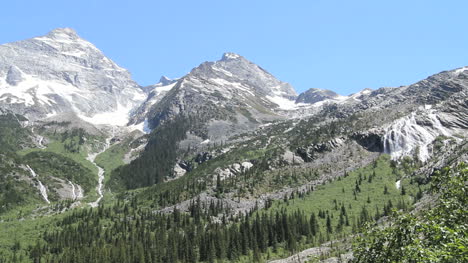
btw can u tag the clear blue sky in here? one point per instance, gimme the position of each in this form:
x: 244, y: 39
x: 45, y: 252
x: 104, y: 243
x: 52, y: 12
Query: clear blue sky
x: 343, y: 45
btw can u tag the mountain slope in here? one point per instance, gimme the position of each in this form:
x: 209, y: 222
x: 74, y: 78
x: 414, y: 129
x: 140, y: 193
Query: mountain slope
x: 59, y: 73
x: 230, y: 94
x: 316, y: 95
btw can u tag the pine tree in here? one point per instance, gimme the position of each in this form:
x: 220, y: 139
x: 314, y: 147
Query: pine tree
x: 329, y: 225
x: 314, y: 227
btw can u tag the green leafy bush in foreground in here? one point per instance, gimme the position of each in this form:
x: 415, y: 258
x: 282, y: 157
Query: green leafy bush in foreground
x: 439, y: 234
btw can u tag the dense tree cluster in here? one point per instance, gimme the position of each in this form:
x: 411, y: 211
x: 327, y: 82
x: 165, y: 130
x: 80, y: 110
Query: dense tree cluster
x: 157, y: 160
x: 125, y: 233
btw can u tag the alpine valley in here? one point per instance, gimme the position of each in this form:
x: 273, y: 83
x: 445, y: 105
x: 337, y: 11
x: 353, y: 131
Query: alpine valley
x: 224, y: 164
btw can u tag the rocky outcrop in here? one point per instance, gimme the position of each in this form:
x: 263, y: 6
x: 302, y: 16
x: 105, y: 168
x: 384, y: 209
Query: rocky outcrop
x: 308, y: 153
x: 203, y: 157
x: 371, y: 140
x: 14, y: 76
x: 232, y: 170
x: 312, y: 96
x: 290, y: 158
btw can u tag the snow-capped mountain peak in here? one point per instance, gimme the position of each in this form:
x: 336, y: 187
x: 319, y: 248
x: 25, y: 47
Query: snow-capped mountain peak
x: 236, y: 71
x: 229, y: 56
x: 163, y: 81
x: 63, y: 33
x: 232, y: 91
x: 62, y: 73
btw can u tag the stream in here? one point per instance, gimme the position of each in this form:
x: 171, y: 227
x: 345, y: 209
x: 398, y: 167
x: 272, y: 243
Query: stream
x: 92, y: 157
x: 77, y: 191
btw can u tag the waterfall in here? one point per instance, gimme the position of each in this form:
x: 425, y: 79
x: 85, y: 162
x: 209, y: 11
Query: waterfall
x: 73, y: 190
x: 405, y: 135
x: 77, y: 191
x: 42, y: 188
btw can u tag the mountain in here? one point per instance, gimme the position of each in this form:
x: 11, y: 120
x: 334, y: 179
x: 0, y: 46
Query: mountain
x: 231, y: 94
x: 61, y: 73
x: 316, y: 95
x: 155, y: 93
x: 232, y: 164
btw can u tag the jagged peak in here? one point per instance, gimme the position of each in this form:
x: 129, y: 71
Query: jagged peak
x: 321, y: 91
x: 230, y: 56
x: 365, y: 91
x: 164, y: 80
x: 314, y: 95
x: 64, y: 32
x: 65, y: 39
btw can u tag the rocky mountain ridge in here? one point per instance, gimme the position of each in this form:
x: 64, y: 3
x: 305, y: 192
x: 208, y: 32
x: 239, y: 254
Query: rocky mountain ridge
x: 61, y: 73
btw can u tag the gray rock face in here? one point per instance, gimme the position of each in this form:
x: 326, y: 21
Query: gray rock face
x: 164, y: 81
x: 14, y: 76
x: 308, y: 153
x: 61, y: 72
x: 407, y: 120
x: 315, y: 95
x: 236, y: 69
x: 233, y: 91
x: 155, y: 94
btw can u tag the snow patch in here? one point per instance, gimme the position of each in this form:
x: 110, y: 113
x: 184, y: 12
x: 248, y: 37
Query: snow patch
x: 142, y: 126
x: 32, y: 90
x: 356, y: 95
x: 283, y: 103
x: 230, y: 55
x: 165, y: 88
x: 224, y: 83
x: 460, y: 70
x: 225, y: 72
x: 118, y: 117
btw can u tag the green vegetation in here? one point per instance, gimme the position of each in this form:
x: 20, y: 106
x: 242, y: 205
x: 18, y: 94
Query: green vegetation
x: 13, y: 136
x: 19, y: 234
x: 12, y: 193
x: 112, y: 158
x: 127, y: 227
x: 200, y: 178
x: 301, y: 220
x: 370, y: 189
x: 341, y: 207
x: 74, y: 145
x: 156, y: 162
x: 439, y: 234
x: 50, y: 164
